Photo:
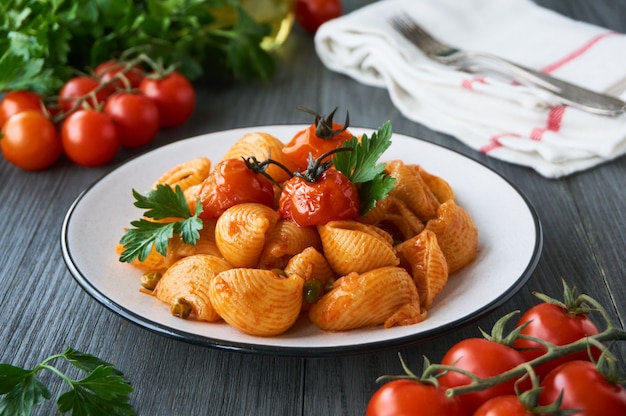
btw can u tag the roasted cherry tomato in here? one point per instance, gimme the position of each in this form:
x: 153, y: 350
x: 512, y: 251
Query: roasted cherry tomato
x: 508, y: 405
x: 130, y: 79
x: 483, y: 358
x: 135, y: 116
x: 173, y: 95
x: 19, y: 101
x: 78, y: 87
x: 330, y: 197
x: 318, y: 138
x: 89, y: 137
x: 585, y: 388
x: 30, y: 141
x: 230, y: 183
x: 311, y: 14
x: 556, y: 325
x: 409, y: 397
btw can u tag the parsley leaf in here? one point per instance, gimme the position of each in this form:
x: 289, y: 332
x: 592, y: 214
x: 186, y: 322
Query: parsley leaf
x: 104, y: 391
x: 43, y: 43
x: 161, y: 203
x: 361, y: 166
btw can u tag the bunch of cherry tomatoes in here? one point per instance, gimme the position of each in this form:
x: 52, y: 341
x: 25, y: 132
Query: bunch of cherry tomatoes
x: 119, y: 105
x: 561, y: 382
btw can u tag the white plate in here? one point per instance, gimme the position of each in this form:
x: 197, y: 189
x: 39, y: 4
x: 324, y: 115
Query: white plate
x: 510, y: 243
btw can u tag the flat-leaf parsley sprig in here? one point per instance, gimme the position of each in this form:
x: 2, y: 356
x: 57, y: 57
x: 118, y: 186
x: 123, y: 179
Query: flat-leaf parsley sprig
x: 362, y: 167
x: 161, y: 203
x: 104, y: 391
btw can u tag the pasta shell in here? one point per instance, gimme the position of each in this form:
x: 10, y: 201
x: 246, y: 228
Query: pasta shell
x: 392, y: 215
x: 186, y: 174
x: 439, y: 187
x: 350, y: 246
x: 154, y: 261
x: 284, y: 240
x: 310, y: 264
x: 427, y: 263
x: 257, y: 302
x: 375, y: 297
x: 456, y: 233
x: 178, y: 249
x: 411, y: 189
x: 262, y: 146
x: 189, y: 279
x: 241, y: 231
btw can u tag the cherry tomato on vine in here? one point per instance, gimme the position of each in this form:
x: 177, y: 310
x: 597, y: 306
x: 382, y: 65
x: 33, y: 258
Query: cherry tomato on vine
x: 331, y: 197
x: 585, y: 388
x: 311, y: 14
x: 30, y: 141
x: 135, y: 116
x: 483, y: 358
x: 173, y: 95
x: 19, y: 101
x: 130, y: 79
x: 89, y: 137
x: 558, y: 326
x: 78, y: 87
x: 230, y: 183
x: 409, y: 397
x: 508, y: 405
x: 318, y: 138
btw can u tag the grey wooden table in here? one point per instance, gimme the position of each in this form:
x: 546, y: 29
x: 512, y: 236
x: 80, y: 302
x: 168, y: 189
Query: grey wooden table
x: 43, y: 309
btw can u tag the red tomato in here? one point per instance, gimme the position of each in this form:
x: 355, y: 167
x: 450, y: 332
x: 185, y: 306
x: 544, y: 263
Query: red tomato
x: 554, y: 324
x: 130, y: 79
x: 331, y: 197
x: 310, y: 14
x: 89, y: 138
x: 30, y: 141
x: 482, y: 358
x: 173, y: 95
x: 508, y: 405
x: 78, y: 87
x: 408, y: 397
x: 18, y: 101
x: 585, y: 388
x: 232, y: 183
x: 135, y: 116
x: 316, y: 139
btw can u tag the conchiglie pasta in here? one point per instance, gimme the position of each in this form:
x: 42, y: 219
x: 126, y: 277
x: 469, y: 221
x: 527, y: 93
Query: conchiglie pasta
x: 255, y: 301
x: 381, y: 296
x: 439, y: 187
x: 186, y: 174
x: 241, y: 231
x: 457, y: 234
x: 284, y: 240
x: 393, y: 215
x: 189, y: 279
x: 262, y: 146
x: 427, y: 263
x: 178, y: 249
x: 350, y: 246
x: 310, y: 264
x: 411, y: 189
x: 154, y: 261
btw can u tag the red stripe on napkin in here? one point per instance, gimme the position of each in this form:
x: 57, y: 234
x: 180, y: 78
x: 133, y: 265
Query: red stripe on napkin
x: 494, y: 142
x: 576, y: 53
x: 469, y: 83
x: 553, y: 124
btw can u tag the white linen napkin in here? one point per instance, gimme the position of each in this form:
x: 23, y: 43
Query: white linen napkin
x: 516, y: 123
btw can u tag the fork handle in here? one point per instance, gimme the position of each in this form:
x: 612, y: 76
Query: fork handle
x: 569, y: 93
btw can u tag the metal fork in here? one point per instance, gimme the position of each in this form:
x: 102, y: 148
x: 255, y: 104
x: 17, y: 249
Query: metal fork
x: 470, y: 61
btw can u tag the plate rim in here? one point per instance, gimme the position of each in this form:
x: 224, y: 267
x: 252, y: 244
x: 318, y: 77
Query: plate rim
x: 291, y: 351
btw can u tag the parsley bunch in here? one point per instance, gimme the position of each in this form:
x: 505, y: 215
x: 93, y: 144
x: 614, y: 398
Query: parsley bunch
x: 161, y: 203
x: 43, y: 43
x: 104, y: 391
x: 362, y: 167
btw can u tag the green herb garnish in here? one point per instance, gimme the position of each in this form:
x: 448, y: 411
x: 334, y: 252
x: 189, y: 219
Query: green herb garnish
x: 104, y: 391
x: 43, y: 43
x: 362, y: 167
x: 162, y: 202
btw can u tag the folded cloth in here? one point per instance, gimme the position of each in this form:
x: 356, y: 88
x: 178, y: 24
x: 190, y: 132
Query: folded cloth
x: 516, y: 123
